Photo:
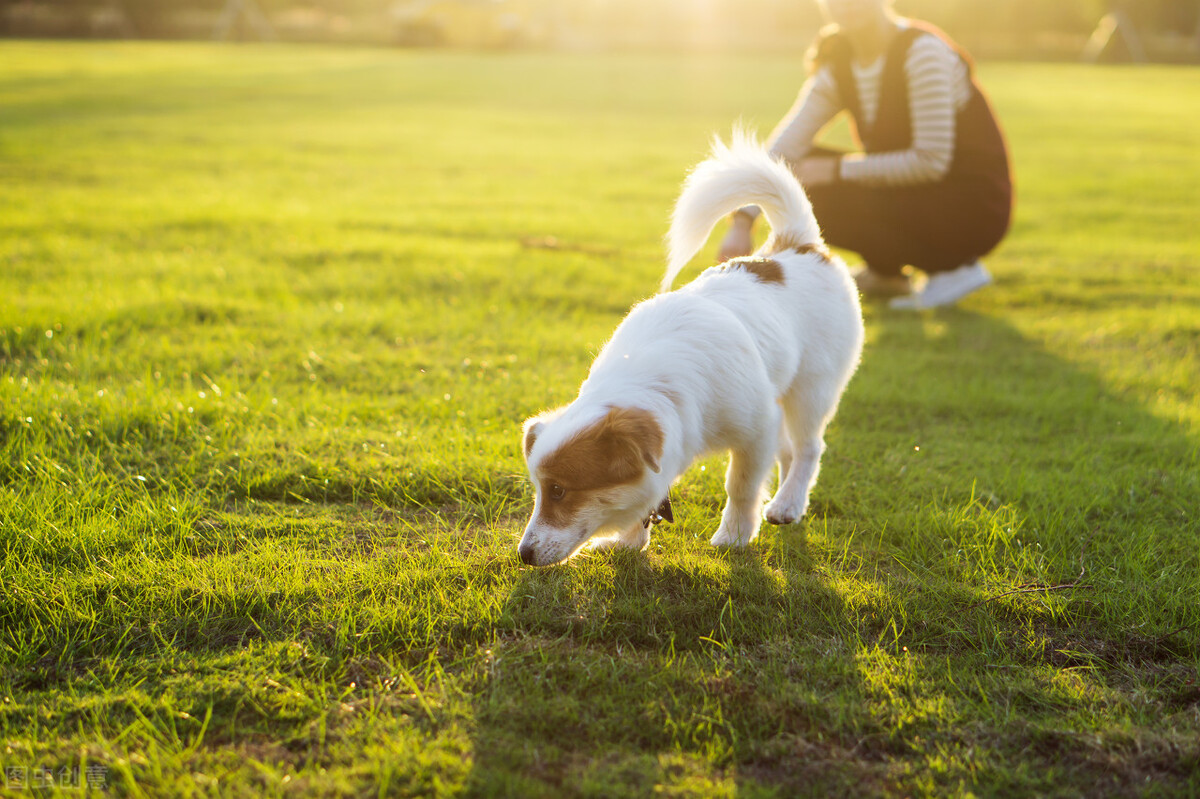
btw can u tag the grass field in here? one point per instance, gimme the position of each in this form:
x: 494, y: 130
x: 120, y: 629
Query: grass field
x: 270, y: 319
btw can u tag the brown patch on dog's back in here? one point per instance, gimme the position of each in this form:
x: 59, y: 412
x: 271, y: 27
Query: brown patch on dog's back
x: 612, y: 452
x: 778, y: 243
x: 766, y: 270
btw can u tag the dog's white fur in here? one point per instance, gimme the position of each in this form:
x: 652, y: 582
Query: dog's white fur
x: 751, y: 357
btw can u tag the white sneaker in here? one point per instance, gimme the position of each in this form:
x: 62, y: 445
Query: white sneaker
x: 945, y: 288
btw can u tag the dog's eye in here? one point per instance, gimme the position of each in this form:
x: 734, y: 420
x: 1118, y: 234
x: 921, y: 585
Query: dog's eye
x: 557, y: 491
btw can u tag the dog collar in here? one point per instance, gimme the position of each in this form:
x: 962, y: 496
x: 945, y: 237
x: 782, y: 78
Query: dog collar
x: 662, y: 513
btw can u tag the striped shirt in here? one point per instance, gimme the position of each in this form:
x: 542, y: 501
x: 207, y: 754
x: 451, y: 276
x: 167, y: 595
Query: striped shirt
x: 938, y: 88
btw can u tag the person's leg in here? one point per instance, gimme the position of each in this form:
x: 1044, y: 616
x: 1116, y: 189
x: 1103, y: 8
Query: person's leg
x: 947, y: 224
x: 953, y: 226
x: 937, y: 228
x: 851, y: 217
x: 854, y: 217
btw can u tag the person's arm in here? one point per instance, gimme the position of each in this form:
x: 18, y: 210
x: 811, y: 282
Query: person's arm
x: 739, y: 239
x: 816, y: 105
x: 935, y: 76
x: 792, y: 138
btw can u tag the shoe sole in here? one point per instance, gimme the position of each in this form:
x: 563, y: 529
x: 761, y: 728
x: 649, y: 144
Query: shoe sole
x: 913, y: 303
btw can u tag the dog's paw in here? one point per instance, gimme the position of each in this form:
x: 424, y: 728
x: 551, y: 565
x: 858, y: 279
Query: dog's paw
x: 734, y: 535
x: 779, y: 511
x: 634, y: 538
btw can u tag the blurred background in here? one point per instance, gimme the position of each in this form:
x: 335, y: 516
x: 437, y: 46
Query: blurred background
x: 1098, y: 30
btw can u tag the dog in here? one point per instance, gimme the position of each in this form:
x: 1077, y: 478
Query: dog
x: 751, y: 357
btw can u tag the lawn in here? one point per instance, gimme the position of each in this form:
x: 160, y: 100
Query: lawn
x: 270, y: 320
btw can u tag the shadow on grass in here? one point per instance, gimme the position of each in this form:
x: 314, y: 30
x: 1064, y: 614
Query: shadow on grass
x: 966, y: 462
x: 627, y: 671
x: 956, y: 411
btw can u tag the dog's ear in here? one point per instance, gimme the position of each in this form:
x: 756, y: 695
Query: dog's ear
x: 533, y: 428
x: 637, y: 436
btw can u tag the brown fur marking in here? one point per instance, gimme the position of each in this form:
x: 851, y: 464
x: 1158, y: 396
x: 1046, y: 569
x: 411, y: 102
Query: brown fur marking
x: 609, y: 453
x: 777, y: 243
x: 764, y: 269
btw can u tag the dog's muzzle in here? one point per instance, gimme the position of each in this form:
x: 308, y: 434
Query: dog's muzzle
x: 528, y: 555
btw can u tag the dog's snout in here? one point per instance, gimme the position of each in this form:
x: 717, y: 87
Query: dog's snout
x: 528, y: 556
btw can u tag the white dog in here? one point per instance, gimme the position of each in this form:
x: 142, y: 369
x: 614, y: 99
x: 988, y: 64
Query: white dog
x: 750, y: 357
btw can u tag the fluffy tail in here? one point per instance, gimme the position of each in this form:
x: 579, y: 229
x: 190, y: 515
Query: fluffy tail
x: 737, y: 175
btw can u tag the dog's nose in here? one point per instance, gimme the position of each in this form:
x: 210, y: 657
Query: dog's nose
x: 527, y: 554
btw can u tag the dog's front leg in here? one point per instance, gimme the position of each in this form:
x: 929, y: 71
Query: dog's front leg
x: 636, y: 537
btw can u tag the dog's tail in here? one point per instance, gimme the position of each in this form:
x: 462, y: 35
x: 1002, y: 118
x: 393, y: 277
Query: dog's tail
x: 737, y: 175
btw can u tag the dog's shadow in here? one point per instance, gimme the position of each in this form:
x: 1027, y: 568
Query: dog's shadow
x: 625, y: 652
x: 635, y: 600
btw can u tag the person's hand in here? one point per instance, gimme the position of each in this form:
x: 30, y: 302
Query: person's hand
x: 738, y: 241
x: 818, y: 171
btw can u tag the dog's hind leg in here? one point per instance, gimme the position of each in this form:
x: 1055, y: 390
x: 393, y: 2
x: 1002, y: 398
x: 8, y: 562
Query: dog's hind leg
x: 784, y: 454
x: 806, y: 413
x: 749, y: 466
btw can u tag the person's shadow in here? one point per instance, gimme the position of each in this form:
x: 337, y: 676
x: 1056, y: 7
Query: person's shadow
x: 964, y: 458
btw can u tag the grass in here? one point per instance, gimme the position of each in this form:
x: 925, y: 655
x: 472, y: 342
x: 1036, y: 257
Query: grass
x: 270, y: 318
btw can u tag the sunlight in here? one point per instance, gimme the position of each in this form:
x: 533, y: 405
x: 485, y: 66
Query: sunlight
x: 1094, y: 30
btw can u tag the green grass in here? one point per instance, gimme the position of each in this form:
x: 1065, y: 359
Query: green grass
x: 270, y: 319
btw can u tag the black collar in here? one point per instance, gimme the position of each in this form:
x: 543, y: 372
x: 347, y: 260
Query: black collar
x: 660, y: 514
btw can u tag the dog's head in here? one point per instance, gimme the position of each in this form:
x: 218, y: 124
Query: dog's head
x: 589, y: 476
